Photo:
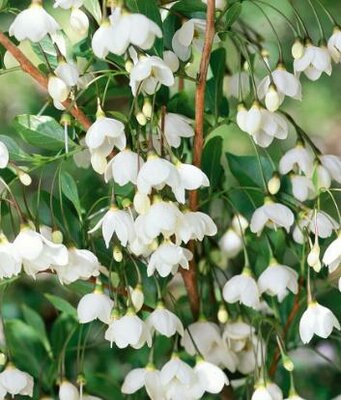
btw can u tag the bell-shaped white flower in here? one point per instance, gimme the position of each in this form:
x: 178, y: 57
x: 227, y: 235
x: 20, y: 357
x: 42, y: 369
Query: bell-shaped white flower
x: 317, y: 320
x: 148, y: 74
x: 66, y: 4
x: 274, y: 390
x: 277, y: 279
x: 58, y: 89
x: 191, y: 178
x: 261, y: 393
x: 298, y: 160
x: 251, y: 356
x: 286, y: 84
x: 161, y: 218
x: 302, y: 187
x: 167, y: 259
x: 128, y: 330
x: 231, y: 243
x: 82, y: 264
x: 192, y: 32
x: 68, y: 72
x: 68, y: 391
x: 334, y: 45
x: 194, y: 225
x: 210, y: 378
x: 102, y: 40
x: 102, y: 136
x: 10, y: 262
x: 176, y: 126
x: 333, y: 165
x: 172, y: 61
x: 79, y: 21
x: 294, y: 396
x: 243, y: 289
x: 37, y: 252
x: 118, y: 222
x: 262, y: 124
x: 332, y: 256
x: 236, y: 84
x: 124, y: 167
x: 147, y: 377
x: 314, y: 61
x: 273, y: 215
x: 33, y: 24
x: 16, y: 382
x: 4, y: 155
x: 237, y: 335
x: 164, y: 322
x: 96, y: 305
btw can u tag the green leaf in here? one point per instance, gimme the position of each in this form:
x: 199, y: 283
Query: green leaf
x: 189, y: 8
x: 211, y: 161
x: 36, y: 322
x: 15, y: 151
x: 61, y: 305
x: 170, y: 25
x: 94, y: 9
x: 41, y: 131
x: 46, y: 47
x: 180, y: 103
x: 246, y: 169
x: 214, y: 89
x: 70, y: 191
x: 233, y: 14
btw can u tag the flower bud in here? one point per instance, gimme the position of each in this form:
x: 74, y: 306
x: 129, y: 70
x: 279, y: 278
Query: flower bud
x: 137, y: 297
x: 141, y: 119
x: 239, y: 224
x: 297, y: 49
x: 129, y: 66
x: 57, y: 237
x: 287, y: 363
x: 3, y: 359
x: 313, y: 258
x: 57, y: 89
x: 117, y: 254
x: 272, y: 99
x: 24, y: 178
x: 223, y: 315
x: 147, y: 109
x: 274, y: 184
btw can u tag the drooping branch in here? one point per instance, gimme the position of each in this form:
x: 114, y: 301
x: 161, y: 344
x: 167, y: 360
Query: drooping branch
x: 189, y: 276
x: 42, y: 79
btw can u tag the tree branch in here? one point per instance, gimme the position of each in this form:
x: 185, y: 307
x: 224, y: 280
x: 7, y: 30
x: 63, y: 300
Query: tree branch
x: 42, y: 79
x: 189, y: 276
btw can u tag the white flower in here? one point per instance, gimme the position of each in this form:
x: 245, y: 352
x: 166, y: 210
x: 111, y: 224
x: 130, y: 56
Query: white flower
x: 57, y: 89
x: 34, y: 24
x: 149, y: 74
x: 161, y: 218
x: 4, y: 155
x: 194, y: 225
x: 10, y: 262
x: 302, y: 187
x: 164, y: 322
x: 102, y: 136
x: 79, y: 21
x: 286, y: 84
x: 251, y: 356
x: 334, y: 45
x: 294, y: 396
x: 332, y: 256
x: 236, y: 84
x: 333, y: 165
x: 210, y: 378
x: 38, y: 253
x: 82, y: 264
x: 16, y: 382
x: 191, y: 178
x: 277, y: 279
x: 261, y: 393
x: 230, y: 243
x: 314, y: 61
x: 176, y: 126
x: 148, y: 377
x: 137, y: 297
x: 128, y: 330
x: 272, y: 215
x: 102, y: 40
x: 243, y: 289
x: 66, y: 4
x: 239, y: 224
x: 191, y: 32
x: 262, y: 124
x: 68, y: 391
x: 318, y: 320
x: 141, y: 203
x: 124, y: 167
x: 132, y: 29
x: 171, y: 60
x: 68, y: 72
x: 207, y: 338
x: 167, y: 259
x: 117, y: 222
x: 175, y: 376
x: 237, y: 335
x: 274, y: 390
x: 298, y: 160
x: 94, y: 306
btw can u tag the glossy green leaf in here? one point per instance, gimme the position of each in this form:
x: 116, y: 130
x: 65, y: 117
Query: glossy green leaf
x: 70, y: 191
x: 233, y: 14
x: 62, y: 305
x: 214, y: 88
x: 211, y: 161
x: 15, y: 151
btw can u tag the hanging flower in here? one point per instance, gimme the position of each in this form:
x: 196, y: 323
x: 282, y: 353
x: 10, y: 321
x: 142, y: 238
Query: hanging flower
x: 237, y: 84
x: 33, y: 24
x: 334, y: 45
x: 68, y: 72
x: 10, y: 262
x: 302, y: 187
x: 317, y: 320
x: 102, y: 40
x: 68, y: 391
x: 4, y: 155
x: 314, y: 61
x: 94, y: 306
x: 333, y: 166
x: 79, y: 21
x: 261, y: 393
x: 231, y: 243
x: 298, y: 160
x: 210, y: 378
x: 16, y: 382
x: 332, y: 256
x: 194, y: 225
x: 58, y: 89
x: 176, y: 126
x: 164, y: 322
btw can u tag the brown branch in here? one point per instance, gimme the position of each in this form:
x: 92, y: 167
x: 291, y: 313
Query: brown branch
x: 42, y: 79
x: 189, y: 276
